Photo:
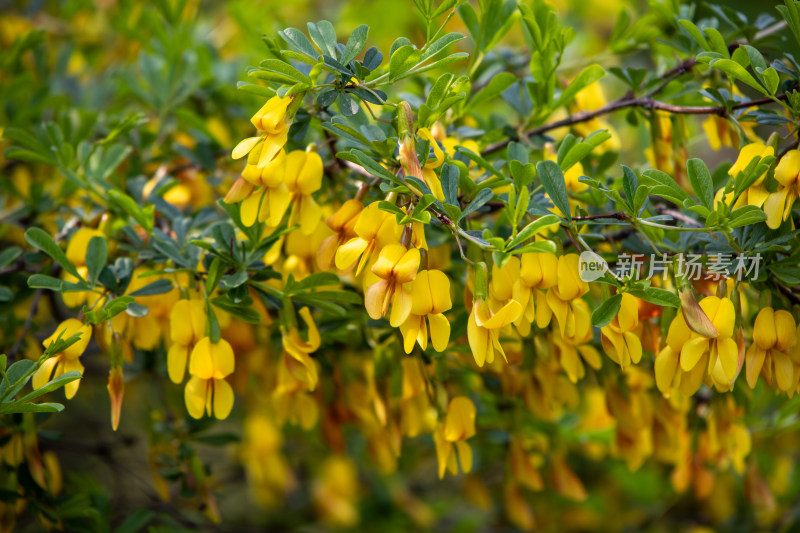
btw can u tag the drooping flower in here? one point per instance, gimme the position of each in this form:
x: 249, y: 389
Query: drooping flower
x: 717, y: 356
x: 375, y: 229
x: 451, y: 435
x: 572, y: 348
x: 619, y: 340
x: 561, y: 296
x: 396, y: 267
x: 187, y: 323
x: 271, y: 122
x: 269, y: 201
x: 343, y: 223
x: 65, y: 361
x: 429, y: 170
x: 483, y: 328
x: 773, y: 338
x: 430, y: 298
x: 303, y: 178
x: 297, y: 351
x: 778, y: 205
x: 207, y: 390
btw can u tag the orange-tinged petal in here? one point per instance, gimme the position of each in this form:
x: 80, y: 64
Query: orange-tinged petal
x: 375, y: 298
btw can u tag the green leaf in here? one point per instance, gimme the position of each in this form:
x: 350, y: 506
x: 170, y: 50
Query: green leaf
x: 9, y: 255
x: 96, y: 255
x: 606, y: 312
x: 738, y: 72
x: 702, y: 184
x: 745, y: 216
x: 285, y: 69
x: 16, y: 407
x: 43, y: 281
x: 145, y: 217
x: 324, y: 36
x: 483, y: 196
x: 53, y: 384
x: 40, y: 239
x: 236, y: 310
x: 499, y: 83
x: 771, y: 80
x: 160, y: 286
x: 532, y: 229
x: 555, y: 186
x: 403, y: 59
x: 587, y: 76
x: 14, y: 379
x: 663, y: 185
x: 298, y: 39
x: 657, y: 296
x: 695, y: 32
x: 356, y: 43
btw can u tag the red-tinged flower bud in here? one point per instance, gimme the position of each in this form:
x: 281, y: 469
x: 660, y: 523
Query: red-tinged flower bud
x: 116, y: 390
x: 240, y: 190
x: 694, y: 315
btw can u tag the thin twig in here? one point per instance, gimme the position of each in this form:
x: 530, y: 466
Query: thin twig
x: 37, y: 295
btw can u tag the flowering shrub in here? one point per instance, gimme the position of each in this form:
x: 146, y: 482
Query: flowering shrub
x: 438, y: 270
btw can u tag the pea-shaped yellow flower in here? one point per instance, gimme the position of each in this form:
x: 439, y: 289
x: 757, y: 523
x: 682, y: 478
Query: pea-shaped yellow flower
x: 297, y: 351
x: 430, y: 298
x: 269, y: 202
x: 65, y: 361
x: 397, y: 267
x: 303, y: 178
x: 779, y: 204
x: 375, y: 229
x: 207, y: 390
x: 538, y: 272
x: 483, y: 328
x: 271, y: 121
x: 575, y: 343
x: 451, y: 436
x: 773, y: 337
x: 667, y: 364
x: 187, y: 324
x: 560, y: 297
x: 429, y: 170
x: 343, y: 223
x: 619, y: 340
x: 718, y: 355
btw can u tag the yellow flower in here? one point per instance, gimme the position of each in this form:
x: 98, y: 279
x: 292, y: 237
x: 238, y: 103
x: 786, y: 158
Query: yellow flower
x: 773, y: 337
x: 483, y: 328
x: 76, y: 253
x: 430, y: 298
x: 269, y: 202
x: 271, y: 121
x: 343, y: 224
x: 396, y: 266
x: 667, y: 362
x: 296, y: 351
x: 451, y: 436
x: 65, y: 361
x: 778, y: 205
x: 375, y: 229
x: 335, y: 492
x: 303, y: 178
x: 429, y: 170
x: 207, y: 390
x: 718, y: 355
x: 560, y: 297
x: 564, y: 480
x: 620, y: 342
x: 267, y: 471
x: 187, y: 326
x: 757, y: 192
x: 574, y: 343
x: 537, y: 273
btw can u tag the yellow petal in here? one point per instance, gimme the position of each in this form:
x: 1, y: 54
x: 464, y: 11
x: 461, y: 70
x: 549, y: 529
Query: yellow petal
x: 409, y: 330
x: 422, y: 299
x: 784, y: 370
x: 250, y: 207
x: 222, y: 358
x: 478, y: 337
x: 407, y: 266
x: 195, y: 396
x: 387, y: 260
x: 42, y: 376
x: 785, y: 329
x: 692, y: 352
x: 181, y: 331
x: 201, y: 363
x: 728, y: 353
x: 176, y: 362
x: 774, y: 207
x: 401, y: 305
x: 244, y: 147
x: 764, y: 334
x: 788, y: 168
x: 666, y: 366
x: 504, y: 316
x: 628, y: 315
x: 223, y: 399
x: 375, y: 298
x: 440, y: 331
x: 754, y: 361
x: 272, y: 145
x: 349, y: 252
x: 309, y: 215
x: 460, y: 421
x: 464, y: 456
